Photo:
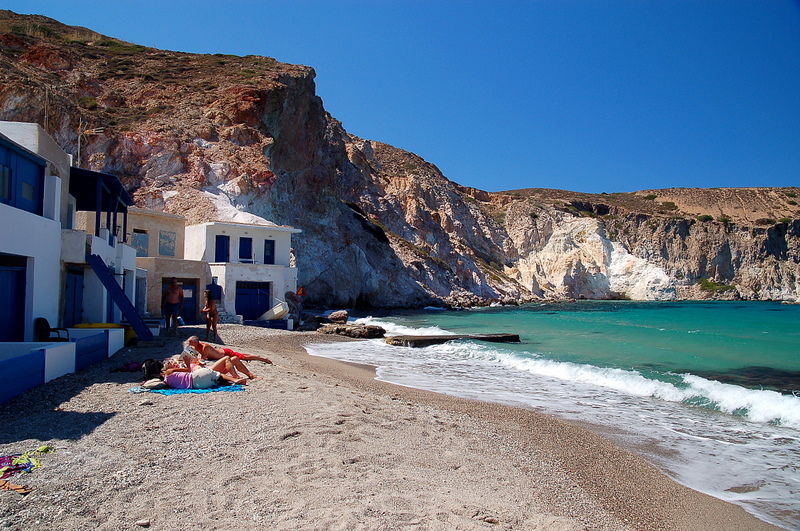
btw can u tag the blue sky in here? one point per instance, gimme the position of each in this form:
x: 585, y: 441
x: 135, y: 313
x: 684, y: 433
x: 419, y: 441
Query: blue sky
x: 584, y: 95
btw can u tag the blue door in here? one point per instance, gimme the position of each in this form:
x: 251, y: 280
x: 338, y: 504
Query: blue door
x: 12, y: 310
x: 73, y: 297
x: 222, y: 249
x: 252, y: 299
x: 269, y: 251
x: 246, y: 250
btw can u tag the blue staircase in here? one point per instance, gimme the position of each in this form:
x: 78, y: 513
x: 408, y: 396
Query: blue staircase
x: 118, y: 296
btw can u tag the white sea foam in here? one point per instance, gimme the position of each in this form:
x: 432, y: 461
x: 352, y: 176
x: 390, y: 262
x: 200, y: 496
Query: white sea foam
x: 755, y: 405
x: 394, y: 329
x: 717, y: 436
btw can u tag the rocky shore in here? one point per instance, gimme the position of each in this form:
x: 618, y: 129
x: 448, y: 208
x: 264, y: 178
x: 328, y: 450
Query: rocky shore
x: 318, y: 444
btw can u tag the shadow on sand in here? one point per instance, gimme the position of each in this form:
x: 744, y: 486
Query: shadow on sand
x: 42, y: 414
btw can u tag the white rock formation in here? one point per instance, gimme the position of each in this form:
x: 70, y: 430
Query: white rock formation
x: 579, y: 261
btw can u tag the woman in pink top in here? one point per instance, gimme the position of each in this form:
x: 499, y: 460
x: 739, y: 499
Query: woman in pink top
x: 198, y: 377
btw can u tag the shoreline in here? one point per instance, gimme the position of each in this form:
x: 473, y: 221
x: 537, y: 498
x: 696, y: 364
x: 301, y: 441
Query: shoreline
x: 319, y: 443
x: 564, y: 433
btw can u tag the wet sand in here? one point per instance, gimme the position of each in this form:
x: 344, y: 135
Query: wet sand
x: 315, y: 443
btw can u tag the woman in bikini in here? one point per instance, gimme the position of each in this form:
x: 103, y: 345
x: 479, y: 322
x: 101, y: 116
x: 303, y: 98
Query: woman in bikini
x: 184, y: 371
x: 199, y: 377
x: 212, y: 314
x: 210, y: 352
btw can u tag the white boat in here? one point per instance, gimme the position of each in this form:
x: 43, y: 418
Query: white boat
x: 279, y: 311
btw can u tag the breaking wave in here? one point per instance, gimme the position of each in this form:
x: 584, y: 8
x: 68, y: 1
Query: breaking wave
x: 394, y: 329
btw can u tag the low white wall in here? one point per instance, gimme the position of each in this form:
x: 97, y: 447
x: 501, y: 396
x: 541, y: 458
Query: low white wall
x: 12, y: 349
x: 59, y: 358
x: 116, y: 337
x: 39, y: 239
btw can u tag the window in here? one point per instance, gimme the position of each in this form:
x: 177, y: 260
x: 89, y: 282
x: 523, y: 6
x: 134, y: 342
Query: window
x: 222, y: 248
x: 245, y: 249
x: 140, y: 241
x: 28, y: 192
x: 21, y: 181
x: 166, y: 243
x: 269, y: 251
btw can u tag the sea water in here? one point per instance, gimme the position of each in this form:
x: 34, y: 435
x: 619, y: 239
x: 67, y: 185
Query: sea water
x: 709, y: 392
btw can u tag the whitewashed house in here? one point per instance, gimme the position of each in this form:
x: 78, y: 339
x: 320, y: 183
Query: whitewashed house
x: 39, y: 252
x: 251, y: 263
x: 30, y: 234
x: 158, y: 238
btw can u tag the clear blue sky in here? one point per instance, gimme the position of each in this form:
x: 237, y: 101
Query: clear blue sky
x: 586, y: 95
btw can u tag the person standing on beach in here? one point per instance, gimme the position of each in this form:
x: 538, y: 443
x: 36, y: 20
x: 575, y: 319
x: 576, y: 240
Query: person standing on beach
x: 210, y: 352
x: 212, y: 314
x: 172, y: 304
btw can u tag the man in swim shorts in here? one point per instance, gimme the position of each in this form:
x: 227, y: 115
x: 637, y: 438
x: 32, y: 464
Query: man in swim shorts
x: 208, y: 351
x: 172, y: 304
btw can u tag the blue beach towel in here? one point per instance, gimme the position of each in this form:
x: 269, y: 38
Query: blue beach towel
x: 139, y: 389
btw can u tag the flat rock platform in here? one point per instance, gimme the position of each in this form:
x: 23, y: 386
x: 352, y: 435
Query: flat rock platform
x: 426, y: 341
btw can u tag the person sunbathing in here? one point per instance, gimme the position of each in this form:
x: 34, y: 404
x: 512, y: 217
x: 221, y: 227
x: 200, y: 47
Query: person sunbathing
x: 198, y: 377
x: 210, y: 352
x: 187, y: 359
x: 184, y: 370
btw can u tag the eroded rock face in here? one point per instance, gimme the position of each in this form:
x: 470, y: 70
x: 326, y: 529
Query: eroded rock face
x: 247, y: 138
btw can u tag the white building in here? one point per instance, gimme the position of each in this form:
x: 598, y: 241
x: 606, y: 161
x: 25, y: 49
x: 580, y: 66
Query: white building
x: 65, y: 290
x: 252, y: 263
x: 30, y: 234
x: 40, y: 253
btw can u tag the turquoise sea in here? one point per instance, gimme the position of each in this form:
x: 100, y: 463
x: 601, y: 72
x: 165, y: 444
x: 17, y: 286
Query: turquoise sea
x: 708, y: 391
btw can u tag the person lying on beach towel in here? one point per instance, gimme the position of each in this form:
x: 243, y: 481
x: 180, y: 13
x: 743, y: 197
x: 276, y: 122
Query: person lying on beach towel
x: 210, y: 352
x: 195, y: 376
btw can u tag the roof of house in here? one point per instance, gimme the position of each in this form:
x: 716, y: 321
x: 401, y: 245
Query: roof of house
x: 278, y: 228
x: 154, y: 213
x: 83, y: 185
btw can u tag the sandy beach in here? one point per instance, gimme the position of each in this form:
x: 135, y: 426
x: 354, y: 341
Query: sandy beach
x: 319, y: 444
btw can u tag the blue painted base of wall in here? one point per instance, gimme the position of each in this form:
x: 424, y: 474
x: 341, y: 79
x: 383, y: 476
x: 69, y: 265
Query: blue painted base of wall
x: 90, y: 350
x: 20, y: 373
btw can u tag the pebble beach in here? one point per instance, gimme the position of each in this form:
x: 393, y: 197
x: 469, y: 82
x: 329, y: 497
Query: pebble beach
x: 313, y: 443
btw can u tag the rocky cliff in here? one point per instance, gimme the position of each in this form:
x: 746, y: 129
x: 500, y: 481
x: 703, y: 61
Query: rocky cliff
x: 247, y: 138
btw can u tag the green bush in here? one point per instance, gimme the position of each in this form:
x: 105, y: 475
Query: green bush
x: 669, y: 205
x: 723, y: 218
x: 649, y: 197
x: 792, y: 202
x: 791, y: 194
x: 765, y: 221
x: 713, y: 287
x: 785, y: 220
x: 121, y: 47
x: 705, y: 217
x: 88, y: 102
